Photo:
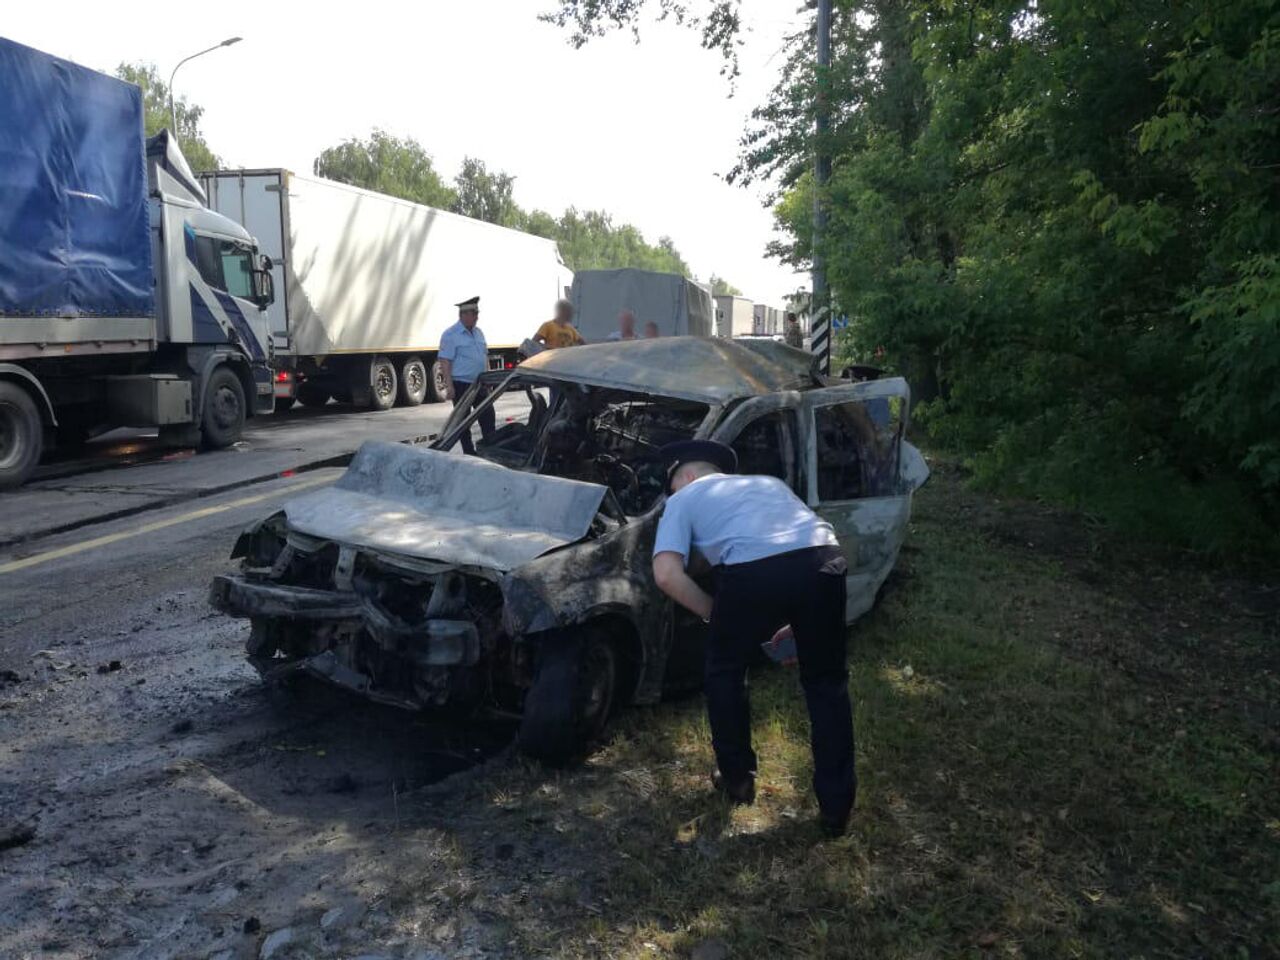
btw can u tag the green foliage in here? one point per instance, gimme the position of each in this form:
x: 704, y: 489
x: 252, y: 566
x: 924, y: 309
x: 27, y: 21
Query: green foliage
x: 589, y: 240
x: 387, y: 164
x: 1061, y: 220
x: 156, y: 115
x: 484, y: 195
x: 718, y: 21
x: 720, y: 287
x: 402, y: 168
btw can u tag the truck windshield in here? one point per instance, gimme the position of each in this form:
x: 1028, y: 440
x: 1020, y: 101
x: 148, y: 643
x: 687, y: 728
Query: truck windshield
x: 237, y: 269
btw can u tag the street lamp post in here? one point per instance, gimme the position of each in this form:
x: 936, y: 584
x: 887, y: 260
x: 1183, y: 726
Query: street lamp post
x: 173, y: 110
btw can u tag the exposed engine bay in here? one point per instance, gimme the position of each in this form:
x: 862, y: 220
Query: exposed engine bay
x: 593, y: 434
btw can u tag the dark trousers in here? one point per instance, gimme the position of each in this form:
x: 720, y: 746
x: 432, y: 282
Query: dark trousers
x: 488, y: 422
x: 805, y: 588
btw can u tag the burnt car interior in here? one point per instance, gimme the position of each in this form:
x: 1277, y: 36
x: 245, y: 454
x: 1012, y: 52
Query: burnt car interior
x: 858, y: 448
x: 583, y: 432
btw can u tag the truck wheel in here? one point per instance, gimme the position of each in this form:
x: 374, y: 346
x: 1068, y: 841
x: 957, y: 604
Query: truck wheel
x: 223, y: 417
x: 379, y: 393
x: 312, y: 395
x: 21, y: 435
x: 572, y: 697
x: 413, y: 382
x: 437, y: 386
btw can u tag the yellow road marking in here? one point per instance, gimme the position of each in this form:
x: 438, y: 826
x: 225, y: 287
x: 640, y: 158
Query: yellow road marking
x: 83, y: 545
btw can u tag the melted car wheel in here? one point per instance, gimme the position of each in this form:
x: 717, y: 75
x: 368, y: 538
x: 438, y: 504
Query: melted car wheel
x: 572, y: 698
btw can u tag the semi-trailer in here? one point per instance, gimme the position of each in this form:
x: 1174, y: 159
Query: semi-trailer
x: 371, y: 282
x: 734, y: 316
x: 676, y: 305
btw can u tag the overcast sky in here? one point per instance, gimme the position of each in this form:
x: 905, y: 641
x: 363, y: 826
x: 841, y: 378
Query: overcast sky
x: 644, y: 131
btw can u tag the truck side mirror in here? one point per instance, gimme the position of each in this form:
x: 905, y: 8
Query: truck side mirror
x: 264, y: 284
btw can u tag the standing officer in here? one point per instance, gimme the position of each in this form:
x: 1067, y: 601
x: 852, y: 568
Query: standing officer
x: 464, y: 355
x: 792, y: 333
x: 776, y: 563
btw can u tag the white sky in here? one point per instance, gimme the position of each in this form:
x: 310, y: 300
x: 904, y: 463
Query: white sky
x: 643, y: 131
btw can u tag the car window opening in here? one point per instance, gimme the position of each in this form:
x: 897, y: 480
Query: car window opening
x: 588, y: 433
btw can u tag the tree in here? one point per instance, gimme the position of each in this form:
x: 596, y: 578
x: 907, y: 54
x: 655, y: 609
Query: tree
x: 721, y: 287
x: 718, y: 21
x: 387, y: 164
x: 484, y: 195
x: 156, y: 115
x: 1060, y: 219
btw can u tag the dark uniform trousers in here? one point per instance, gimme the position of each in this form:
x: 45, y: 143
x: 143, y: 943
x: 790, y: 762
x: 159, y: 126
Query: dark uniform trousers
x: 488, y: 421
x: 805, y: 588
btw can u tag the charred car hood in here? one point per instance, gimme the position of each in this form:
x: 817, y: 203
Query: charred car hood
x: 430, y: 505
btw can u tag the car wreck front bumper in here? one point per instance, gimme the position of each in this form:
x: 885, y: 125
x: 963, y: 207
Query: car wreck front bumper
x: 359, y: 646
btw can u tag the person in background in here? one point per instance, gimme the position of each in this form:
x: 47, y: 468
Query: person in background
x: 464, y: 355
x: 780, y: 574
x: 792, y: 333
x: 651, y: 331
x: 626, y: 327
x: 559, y: 331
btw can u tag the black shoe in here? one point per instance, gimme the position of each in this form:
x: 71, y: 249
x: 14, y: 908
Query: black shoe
x: 738, y: 791
x: 833, y: 827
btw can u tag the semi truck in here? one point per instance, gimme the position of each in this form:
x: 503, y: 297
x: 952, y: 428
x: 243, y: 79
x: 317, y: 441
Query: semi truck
x: 734, y: 316
x: 124, y: 301
x: 371, y: 283
x: 679, y: 306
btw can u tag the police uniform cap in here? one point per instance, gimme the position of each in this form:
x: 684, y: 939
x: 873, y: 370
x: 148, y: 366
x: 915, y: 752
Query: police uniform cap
x: 719, y: 455
x: 469, y: 306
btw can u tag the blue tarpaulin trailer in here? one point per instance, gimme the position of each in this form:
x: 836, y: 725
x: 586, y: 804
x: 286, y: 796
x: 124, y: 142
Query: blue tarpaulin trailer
x: 74, y: 231
x: 124, y: 301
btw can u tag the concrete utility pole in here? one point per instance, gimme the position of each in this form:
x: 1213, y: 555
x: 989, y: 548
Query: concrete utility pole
x: 820, y: 308
x: 173, y: 111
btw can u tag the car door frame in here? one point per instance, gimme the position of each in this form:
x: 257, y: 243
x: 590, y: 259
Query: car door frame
x: 870, y: 529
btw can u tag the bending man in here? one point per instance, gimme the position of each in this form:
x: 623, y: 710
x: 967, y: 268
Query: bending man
x: 776, y: 563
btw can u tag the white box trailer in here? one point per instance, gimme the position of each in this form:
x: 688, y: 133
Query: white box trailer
x: 734, y: 316
x: 767, y: 321
x: 371, y: 283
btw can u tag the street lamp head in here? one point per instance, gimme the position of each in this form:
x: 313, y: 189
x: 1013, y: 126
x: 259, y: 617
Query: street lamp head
x: 227, y: 43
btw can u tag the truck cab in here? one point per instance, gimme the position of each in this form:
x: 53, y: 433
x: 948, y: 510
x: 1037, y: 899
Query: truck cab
x: 213, y: 288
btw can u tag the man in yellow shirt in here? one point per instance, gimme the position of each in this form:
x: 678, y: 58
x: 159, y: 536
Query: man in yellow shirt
x: 559, y: 331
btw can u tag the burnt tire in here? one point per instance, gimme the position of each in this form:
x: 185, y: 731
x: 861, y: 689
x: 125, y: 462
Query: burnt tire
x: 413, y: 382
x: 21, y: 435
x: 573, y: 696
x: 223, y: 416
x: 312, y: 395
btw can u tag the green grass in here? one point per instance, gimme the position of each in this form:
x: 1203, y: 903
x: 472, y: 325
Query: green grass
x: 1065, y: 750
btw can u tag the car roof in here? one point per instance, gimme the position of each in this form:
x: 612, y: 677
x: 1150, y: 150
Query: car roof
x: 706, y: 369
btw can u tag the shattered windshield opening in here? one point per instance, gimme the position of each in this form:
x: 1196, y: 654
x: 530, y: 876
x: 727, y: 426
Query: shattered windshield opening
x: 583, y: 432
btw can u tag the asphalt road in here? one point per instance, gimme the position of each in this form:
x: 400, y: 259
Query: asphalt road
x: 163, y: 783
x: 128, y: 471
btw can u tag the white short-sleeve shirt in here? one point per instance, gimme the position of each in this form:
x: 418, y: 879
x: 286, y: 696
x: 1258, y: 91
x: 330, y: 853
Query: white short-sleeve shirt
x: 732, y: 519
x: 466, y: 350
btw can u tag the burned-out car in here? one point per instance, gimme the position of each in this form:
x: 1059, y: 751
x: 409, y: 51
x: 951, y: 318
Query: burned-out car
x: 521, y: 578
